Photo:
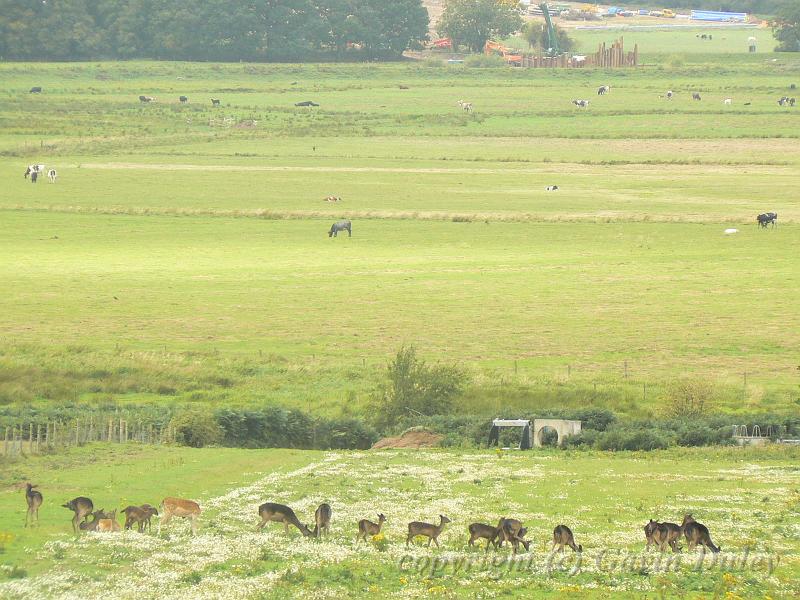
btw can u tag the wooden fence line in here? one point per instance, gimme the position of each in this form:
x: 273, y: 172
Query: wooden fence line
x: 612, y: 57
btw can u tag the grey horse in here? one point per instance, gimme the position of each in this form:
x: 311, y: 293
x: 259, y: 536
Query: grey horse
x: 340, y: 226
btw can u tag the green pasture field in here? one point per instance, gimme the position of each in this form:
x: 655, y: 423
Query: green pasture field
x: 183, y: 252
x: 748, y: 499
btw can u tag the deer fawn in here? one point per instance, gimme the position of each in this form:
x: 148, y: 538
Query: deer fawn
x: 82, y: 507
x: 280, y: 513
x: 34, y: 499
x: 92, y: 525
x: 667, y: 534
x: 139, y: 515
x: 322, y: 520
x: 562, y: 536
x: 109, y: 523
x: 431, y: 532
x: 178, y: 507
x: 488, y: 532
x: 368, y: 528
x: 697, y: 533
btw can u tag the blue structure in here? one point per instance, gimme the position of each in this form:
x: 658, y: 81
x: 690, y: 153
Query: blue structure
x: 718, y: 16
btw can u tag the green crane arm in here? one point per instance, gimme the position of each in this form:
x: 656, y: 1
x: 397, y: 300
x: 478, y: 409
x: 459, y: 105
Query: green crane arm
x: 552, y: 38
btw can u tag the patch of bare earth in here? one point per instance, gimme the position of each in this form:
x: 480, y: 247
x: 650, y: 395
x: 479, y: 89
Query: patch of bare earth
x: 410, y: 439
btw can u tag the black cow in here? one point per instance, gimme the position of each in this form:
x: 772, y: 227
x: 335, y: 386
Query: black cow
x: 603, y: 89
x: 765, y: 219
x: 36, y: 90
x: 215, y: 102
x: 340, y: 226
x: 306, y: 103
x: 146, y: 99
x: 696, y: 96
x: 183, y: 99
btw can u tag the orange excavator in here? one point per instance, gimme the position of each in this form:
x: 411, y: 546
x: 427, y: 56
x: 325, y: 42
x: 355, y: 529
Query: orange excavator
x: 509, y: 54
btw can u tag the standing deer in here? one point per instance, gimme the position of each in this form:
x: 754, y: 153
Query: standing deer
x: 139, y: 516
x: 280, y: 513
x: 178, y: 507
x: 562, y: 536
x: 34, y: 499
x: 648, y: 532
x: 488, y: 532
x: 368, y: 528
x: 511, y: 530
x: 697, y: 533
x: 431, y: 532
x: 82, y: 507
x: 322, y: 520
x: 667, y: 534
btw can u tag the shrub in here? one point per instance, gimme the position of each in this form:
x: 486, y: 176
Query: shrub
x: 688, y: 398
x: 636, y: 440
x: 196, y: 428
x: 484, y: 61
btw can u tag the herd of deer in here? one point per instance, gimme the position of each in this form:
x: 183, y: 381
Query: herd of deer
x: 661, y: 535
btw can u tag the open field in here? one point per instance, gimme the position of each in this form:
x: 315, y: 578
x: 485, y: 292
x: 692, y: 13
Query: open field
x: 747, y: 498
x: 183, y: 254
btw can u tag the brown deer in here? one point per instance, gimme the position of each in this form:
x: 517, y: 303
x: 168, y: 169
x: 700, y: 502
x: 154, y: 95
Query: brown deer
x: 368, y: 528
x: 139, y: 516
x: 322, y: 520
x: 92, y: 525
x: 82, y: 507
x: 648, y: 532
x: 511, y: 530
x: 34, y: 499
x: 562, y: 536
x: 431, y: 532
x: 487, y: 532
x: 109, y: 523
x: 178, y: 507
x: 280, y: 513
x: 153, y: 512
x: 667, y: 534
x: 697, y: 533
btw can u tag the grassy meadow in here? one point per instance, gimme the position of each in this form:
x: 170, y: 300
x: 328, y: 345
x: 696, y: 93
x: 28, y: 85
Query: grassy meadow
x: 747, y: 497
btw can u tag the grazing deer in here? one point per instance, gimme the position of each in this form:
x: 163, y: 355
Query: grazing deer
x: 280, y: 513
x: 139, y: 516
x: 368, y: 528
x: 648, y: 532
x: 511, y: 530
x: 562, y: 536
x: 178, y: 507
x: 697, y: 533
x: 34, y: 499
x: 97, y: 516
x: 431, y: 532
x: 152, y: 512
x: 82, y: 507
x: 109, y: 523
x: 667, y: 534
x: 488, y: 532
x: 322, y: 520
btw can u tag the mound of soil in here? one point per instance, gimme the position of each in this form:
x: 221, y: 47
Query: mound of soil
x: 410, y: 439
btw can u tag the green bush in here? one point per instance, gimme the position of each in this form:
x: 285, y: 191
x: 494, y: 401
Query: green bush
x: 484, y: 61
x: 197, y: 428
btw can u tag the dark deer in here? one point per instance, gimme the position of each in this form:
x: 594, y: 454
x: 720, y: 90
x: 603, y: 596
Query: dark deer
x: 280, y: 513
x: 562, y: 536
x: 487, y: 532
x: 648, y: 532
x: 431, y: 532
x: 92, y: 525
x: 697, y: 533
x: 322, y: 520
x: 82, y: 507
x: 139, y: 516
x: 511, y: 530
x: 34, y: 499
x: 667, y: 534
x: 368, y: 528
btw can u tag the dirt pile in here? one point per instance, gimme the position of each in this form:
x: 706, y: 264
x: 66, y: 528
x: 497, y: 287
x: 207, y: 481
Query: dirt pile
x: 410, y: 439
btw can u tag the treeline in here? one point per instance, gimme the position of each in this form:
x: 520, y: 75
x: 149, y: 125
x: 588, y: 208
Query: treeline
x: 214, y: 30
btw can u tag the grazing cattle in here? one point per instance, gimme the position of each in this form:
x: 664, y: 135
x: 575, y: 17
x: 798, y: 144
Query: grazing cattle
x: 183, y: 99
x: 146, y: 99
x: 403, y: 87
x: 333, y: 199
x: 215, y: 102
x: 306, y: 103
x: 791, y: 101
x: 696, y: 96
x: 670, y: 94
x: 341, y: 226
x: 786, y: 101
x: 581, y: 103
x: 765, y: 219
x: 603, y: 90
x: 178, y: 507
x: 34, y: 176
x: 52, y: 175
x: 33, y: 169
x: 731, y: 231
x: 465, y: 106
x: 728, y: 101
x: 551, y: 188
x: 36, y: 90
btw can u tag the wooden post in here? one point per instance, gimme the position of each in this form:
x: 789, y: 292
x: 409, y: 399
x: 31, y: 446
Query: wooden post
x: 5, y: 443
x: 77, y: 432
x: 38, y: 437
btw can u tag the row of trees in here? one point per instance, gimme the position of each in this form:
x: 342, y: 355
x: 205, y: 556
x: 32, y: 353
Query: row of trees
x: 224, y: 30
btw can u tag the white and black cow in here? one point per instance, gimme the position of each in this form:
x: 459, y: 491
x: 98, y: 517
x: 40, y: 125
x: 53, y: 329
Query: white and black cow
x: 603, y: 90
x: 33, y: 169
x: 765, y: 219
x: 581, y: 103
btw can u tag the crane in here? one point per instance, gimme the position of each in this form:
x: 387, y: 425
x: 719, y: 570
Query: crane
x: 551, y: 48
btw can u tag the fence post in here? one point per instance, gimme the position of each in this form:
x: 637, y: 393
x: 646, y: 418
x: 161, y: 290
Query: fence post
x: 5, y: 443
x: 38, y: 437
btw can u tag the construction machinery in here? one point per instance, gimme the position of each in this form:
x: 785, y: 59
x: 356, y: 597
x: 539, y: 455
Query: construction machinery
x: 551, y: 46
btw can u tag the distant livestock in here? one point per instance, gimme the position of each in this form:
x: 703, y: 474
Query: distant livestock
x: 306, y: 103
x: 215, y: 102
x: 765, y: 219
x: 670, y: 93
x: 332, y: 199
x: 603, y: 89
x: 786, y: 101
x: 52, y: 175
x: 696, y: 96
x: 727, y: 101
x: 33, y: 169
x: 731, y: 230
x: 341, y: 226
x: 183, y: 99
x: 36, y: 90
x: 465, y: 106
x: 146, y: 99
x: 551, y: 188
x: 581, y: 103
